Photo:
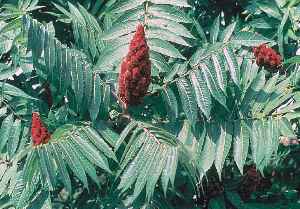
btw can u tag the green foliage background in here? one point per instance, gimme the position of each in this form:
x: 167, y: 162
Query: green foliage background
x: 210, y: 114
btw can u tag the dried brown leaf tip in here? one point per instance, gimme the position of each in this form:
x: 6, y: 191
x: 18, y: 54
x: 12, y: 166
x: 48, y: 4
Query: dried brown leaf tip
x: 135, y: 75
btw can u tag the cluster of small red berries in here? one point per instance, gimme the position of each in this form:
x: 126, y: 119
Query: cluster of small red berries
x: 135, y: 75
x: 267, y: 57
x: 39, y: 132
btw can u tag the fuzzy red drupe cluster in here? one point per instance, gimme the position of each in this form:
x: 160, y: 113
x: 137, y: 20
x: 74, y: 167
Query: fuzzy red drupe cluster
x: 267, y: 57
x: 39, y: 132
x: 135, y: 75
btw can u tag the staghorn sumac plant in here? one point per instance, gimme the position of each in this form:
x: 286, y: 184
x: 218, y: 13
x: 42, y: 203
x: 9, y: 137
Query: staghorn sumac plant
x: 146, y: 104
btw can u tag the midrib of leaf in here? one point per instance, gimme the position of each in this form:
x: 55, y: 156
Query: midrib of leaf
x: 191, y: 113
x: 61, y: 167
x: 219, y: 73
x: 90, y: 152
x: 74, y: 164
x: 232, y: 67
x: 241, y: 144
x: 213, y: 88
x: 148, y: 160
x: 261, y: 142
x: 203, y: 100
x: 5, y: 130
x: 269, y: 139
x: 168, y: 174
x: 45, y: 170
x: 131, y: 172
x: 171, y: 103
x: 156, y: 169
x: 223, y: 146
x: 207, y: 156
x: 99, y: 142
x: 216, y: 50
x: 254, y: 141
x: 125, y: 133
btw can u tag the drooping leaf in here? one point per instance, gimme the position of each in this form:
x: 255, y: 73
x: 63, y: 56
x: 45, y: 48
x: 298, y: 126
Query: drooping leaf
x: 203, y: 97
x: 223, y: 146
x: 170, y: 103
x: 214, y: 31
x: 187, y: 96
x: 96, y: 98
x: 248, y: 39
x: 241, y: 143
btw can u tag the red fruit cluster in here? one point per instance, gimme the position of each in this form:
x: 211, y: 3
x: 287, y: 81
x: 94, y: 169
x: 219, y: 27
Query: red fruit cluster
x: 135, y: 75
x: 267, y: 57
x: 39, y: 132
